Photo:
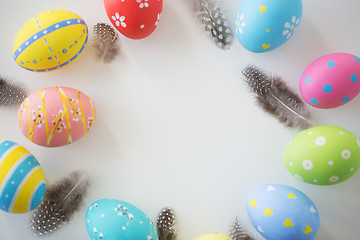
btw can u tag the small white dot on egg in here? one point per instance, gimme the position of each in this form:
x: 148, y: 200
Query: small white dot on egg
x: 35, y: 37
x: 124, y: 228
x: 102, y: 215
x: 142, y: 26
x: 311, y: 132
x: 341, y: 133
x: 291, y: 164
x: 352, y: 169
x: 141, y: 222
x: 315, y: 180
x: 68, y: 22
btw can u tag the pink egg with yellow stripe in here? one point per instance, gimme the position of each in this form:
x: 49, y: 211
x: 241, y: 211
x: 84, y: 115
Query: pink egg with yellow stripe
x: 56, y: 116
x: 22, y: 181
x: 50, y: 40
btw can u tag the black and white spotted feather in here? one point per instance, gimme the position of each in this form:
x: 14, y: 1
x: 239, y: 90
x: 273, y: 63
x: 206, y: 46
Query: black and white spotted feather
x: 106, y: 42
x: 165, y: 224
x: 61, y: 201
x: 237, y: 232
x: 11, y: 94
x: 214, y: 20
x: 274, y: 96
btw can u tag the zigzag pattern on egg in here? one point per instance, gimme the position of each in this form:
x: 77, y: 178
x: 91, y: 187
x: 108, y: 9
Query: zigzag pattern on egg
x: 22, y: 181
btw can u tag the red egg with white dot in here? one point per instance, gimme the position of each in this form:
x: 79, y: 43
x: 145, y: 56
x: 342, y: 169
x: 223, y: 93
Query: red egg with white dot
x: 331, y: 81
x: 135, y: 19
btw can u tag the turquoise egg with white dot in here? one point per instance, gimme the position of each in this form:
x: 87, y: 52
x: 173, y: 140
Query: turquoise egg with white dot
x: 331, y: 80
x: 265, y: 25
x: 323, y: 155
x: 111, y: 219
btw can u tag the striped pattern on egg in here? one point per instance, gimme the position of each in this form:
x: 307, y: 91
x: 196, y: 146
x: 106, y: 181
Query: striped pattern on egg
x: 22, y: 181
x: 56, y: 116
x: 50, y: 40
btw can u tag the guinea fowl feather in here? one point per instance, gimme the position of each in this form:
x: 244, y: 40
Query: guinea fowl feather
x: 165, y: 224
x: 106, y: 42
x: 237, y: 232
x: 11, y: 94
x: 61, y: 201
x: 214, y: 21
x: 276, y: 98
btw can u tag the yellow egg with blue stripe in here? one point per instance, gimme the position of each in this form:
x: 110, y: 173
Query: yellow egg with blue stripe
x: 22, y: 180
x: 50, y: 40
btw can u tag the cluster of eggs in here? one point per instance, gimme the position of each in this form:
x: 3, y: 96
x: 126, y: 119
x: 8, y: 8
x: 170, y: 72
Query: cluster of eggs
x: 58, y: 116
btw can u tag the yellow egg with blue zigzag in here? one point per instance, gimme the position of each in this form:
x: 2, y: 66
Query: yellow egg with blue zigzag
x: 50, y: 40
x: 22, y: 180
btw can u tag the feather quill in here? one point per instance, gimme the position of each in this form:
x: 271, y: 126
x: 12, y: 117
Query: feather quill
x: 214, y: 20
x: 11, y: 94
x: 165, y: 224
x: 106, y: 42
x: 237, y: 232
x: 274, y: 96
x: 61, y: 201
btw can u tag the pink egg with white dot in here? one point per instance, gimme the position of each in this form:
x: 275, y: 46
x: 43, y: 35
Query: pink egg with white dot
x: 331, y: 81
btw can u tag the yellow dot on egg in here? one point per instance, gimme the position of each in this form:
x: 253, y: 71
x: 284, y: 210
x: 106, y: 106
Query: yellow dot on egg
x: 267, y: 30
x: 237, y: 22
x: 292, y: 27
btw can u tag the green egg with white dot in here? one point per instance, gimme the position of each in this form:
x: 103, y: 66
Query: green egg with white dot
x: 323, y: 155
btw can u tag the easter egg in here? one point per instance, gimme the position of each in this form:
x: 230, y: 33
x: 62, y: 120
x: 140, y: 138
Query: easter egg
x: 50, y: 40
x: 22, y: 180
x: 265, y: 25
x: 214, y: 236
x: 280, y: 212
x: 323, y: 155
x: 56, y: 116
x: 134, y: 19
x: 331, y: 81
x: 111, y: 219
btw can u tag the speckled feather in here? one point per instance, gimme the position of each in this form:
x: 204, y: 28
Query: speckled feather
x: 214, y: 20
x: 106, y: 42
x: 274, y: 96
x: 61, y: 201
x: 237, y: 232
x: 11, y: 94
x: 165, y: 224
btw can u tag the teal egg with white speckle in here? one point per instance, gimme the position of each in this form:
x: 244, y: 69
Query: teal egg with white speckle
x: 111, y: 219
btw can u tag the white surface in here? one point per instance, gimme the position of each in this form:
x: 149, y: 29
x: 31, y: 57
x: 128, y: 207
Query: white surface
x: 175, y: 125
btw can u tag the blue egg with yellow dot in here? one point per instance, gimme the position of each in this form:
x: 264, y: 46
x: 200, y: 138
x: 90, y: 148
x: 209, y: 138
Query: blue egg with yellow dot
x: 265, y: 25
x: 50, y: 40
x: 110, y: 219
x: 280, y: 212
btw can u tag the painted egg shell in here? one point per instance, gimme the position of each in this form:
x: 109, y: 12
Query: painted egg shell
x: 264, y: 25
x: 135, y: 19
x: 331, y: 81
x: 323, y: 155
x: 22, y: 181
x: 56, y: 116
x: 280, y: 212
x: 111, y: 219
x: 50, y: 40
x: 214, y: 236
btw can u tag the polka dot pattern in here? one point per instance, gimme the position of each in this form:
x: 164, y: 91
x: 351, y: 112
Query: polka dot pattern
x: 331, y: 81
x: 322, y: 153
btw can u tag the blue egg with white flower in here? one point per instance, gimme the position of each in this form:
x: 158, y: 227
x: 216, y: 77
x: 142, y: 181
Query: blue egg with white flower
x: 280, y: 212
x: 110, y: 219
x: 265, y: 25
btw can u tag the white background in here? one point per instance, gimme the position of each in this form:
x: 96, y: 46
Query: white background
x: 175, y: 124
